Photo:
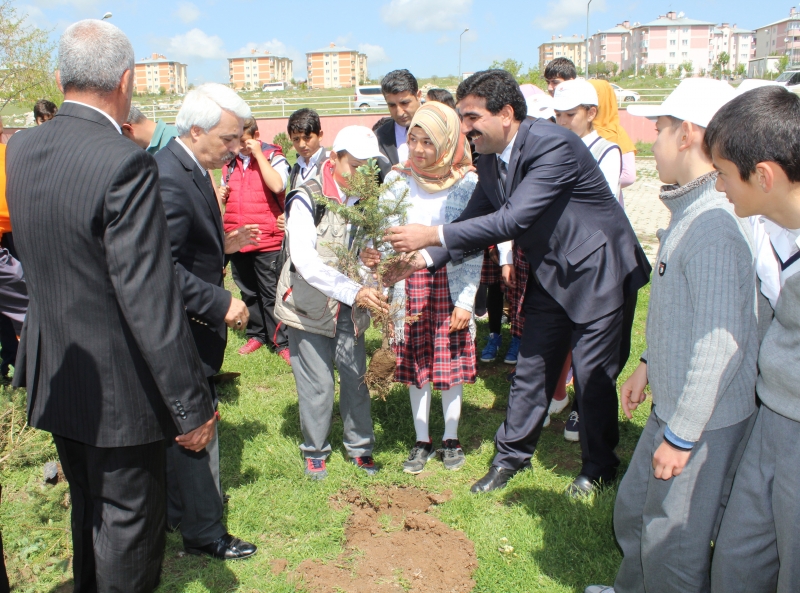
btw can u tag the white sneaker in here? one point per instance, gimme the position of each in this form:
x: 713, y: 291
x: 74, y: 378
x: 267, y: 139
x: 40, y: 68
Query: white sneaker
x: 598, y: 589
x: 556, y: 406
x: 546, y: 422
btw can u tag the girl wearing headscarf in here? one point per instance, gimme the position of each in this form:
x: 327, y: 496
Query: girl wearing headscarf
x: 607, y: 125
x: 437, y: 351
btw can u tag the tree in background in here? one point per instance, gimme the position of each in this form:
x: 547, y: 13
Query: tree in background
x: 531, y: 76
x: 740, y: 70
x: 687, y: 67
x: 783, y: 63
x: 723, y: 59
x: 27, y: 65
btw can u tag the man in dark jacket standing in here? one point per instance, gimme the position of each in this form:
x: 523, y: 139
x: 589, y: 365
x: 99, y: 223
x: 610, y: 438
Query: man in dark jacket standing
x: 106, y: 352
x: 210, y: 130
x: 540, y: 186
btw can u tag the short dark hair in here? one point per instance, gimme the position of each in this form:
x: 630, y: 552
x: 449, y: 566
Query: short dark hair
x: 562, y: 68
x: 134, y: 116
x: 399, y: 81
x: 250, y: 126
x: 760, y: 125
x: 441, y: 96
x: 44, y: 108
x: 304, y: 121
x: 381, y: 122
x: 499, y: 88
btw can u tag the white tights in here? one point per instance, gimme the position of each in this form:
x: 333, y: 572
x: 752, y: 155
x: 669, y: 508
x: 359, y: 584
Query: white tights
x: 421, y: 408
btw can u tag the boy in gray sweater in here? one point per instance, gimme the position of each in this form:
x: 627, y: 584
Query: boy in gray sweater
x: 754, y: 142
x: 700, y: 362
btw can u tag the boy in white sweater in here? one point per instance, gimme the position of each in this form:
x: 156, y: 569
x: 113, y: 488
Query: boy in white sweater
x: 700, y: 362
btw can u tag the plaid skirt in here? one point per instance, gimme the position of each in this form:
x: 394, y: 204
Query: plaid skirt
x: 429, y: 354
x: 516, y: 295
x: 490, y: 272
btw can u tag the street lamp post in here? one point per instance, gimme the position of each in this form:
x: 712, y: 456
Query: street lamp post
x: 587, y: 38
x: 107, y: 15
x: 459, y: 52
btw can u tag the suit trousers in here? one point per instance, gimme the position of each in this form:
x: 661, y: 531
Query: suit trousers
x: 665, y: 527
x: 549, y: 335
x: 758, y: 548
x: 118, y: 505
x: 313, y: 357
x: 194, y: 492
x: 13, y: 291
x: 8, y: 336
x: 256, y: 275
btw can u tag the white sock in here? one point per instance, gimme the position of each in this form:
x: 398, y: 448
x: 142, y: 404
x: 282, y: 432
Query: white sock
x: 451, y: 408
x: 421, y: 408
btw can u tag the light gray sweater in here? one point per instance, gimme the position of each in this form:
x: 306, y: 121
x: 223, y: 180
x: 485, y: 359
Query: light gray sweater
x: 779, y: 360
x: 702, y: 330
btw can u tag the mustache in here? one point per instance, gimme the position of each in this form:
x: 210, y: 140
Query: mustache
x: 228, y: 157
x: 473, y: 134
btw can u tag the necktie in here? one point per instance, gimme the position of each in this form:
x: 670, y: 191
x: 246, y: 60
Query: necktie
x: 502, y: 169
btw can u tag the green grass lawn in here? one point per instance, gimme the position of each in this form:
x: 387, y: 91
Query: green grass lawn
x: 560, y: 545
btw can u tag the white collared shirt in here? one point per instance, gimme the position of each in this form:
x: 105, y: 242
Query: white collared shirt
x: 401, y: 142
x: 786, y: 243
x: 307, y: 168
x: 610, y: 163
x: 191, y: 154
x: 504, y: 249
x: 302, y: 236
x: 111, y: 119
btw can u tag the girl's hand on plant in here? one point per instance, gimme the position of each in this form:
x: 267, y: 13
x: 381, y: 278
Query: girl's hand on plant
x: 403, y: 267
x: 459, y: 319
x: 370, y: 257
x: 372, y: 299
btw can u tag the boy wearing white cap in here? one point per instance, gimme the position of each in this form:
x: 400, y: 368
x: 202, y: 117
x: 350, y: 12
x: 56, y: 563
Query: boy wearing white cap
x: 326, y: 312
x: 575, y: 104
x: 700, y: 361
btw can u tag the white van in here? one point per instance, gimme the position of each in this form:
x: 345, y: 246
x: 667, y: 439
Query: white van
x: 274, y: 87
x: 368, y: 97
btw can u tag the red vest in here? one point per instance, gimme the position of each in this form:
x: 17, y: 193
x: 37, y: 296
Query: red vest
x: 251, y: 202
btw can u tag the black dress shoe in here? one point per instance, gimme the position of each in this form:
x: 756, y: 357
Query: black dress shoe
x: 226, y: 547
x: 583, y: 485
x: 496, y: 477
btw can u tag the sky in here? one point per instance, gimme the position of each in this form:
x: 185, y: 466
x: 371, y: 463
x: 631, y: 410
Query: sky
x: 421, y: 35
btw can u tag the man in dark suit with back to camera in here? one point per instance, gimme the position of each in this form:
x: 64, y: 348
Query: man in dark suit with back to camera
x: 106, y: 352
x: 544, y: 190
x: 209, y: 127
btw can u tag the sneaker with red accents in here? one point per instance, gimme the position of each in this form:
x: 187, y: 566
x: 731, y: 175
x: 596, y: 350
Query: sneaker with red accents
x: 452, y: 454
x: 366, y: 463
x: 315, y: 469
x: 284, y: 354
x: 251, y: 346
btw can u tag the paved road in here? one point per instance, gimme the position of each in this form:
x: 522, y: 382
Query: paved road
x: 645, y: 211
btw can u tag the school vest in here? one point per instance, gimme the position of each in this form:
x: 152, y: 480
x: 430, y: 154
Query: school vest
x: 297, y: 303
x: 600, y: 147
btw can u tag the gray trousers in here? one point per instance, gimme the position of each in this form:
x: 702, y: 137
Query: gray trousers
x: 665, y: 527
x: 194, y: 494
x: 758, y: 548
x: 313, y: 357
x: 13, y: 291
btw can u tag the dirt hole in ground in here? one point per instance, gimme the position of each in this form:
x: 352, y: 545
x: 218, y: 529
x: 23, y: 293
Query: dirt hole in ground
x: 394, y: 544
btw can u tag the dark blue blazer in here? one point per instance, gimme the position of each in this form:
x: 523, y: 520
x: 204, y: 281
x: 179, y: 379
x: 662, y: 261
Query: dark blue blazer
x: 558, y: 207
x: 198, y: 243
x: 106, y: 351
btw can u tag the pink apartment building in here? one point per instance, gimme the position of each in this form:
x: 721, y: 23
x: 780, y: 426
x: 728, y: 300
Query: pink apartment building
x: 780, y: 38
x: 612, y: 45
x: 738, y: 43
x: 672, y: 40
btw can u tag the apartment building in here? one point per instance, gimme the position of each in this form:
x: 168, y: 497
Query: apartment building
x: 157, y: 72
x: 780, y: 38
x: 612, y: 45
x: 252, y: 70
x: 335, y: 67
x: 672, y: 40
x: 738, y: 43
x: 559, y: 46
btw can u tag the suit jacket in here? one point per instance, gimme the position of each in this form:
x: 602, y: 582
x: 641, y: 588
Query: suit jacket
x: 559, y: 209
x: 198, y: 250
x: 106, y: 352
x: 386, y: 144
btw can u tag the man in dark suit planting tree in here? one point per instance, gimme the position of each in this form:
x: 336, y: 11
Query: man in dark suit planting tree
x: 544, y: 190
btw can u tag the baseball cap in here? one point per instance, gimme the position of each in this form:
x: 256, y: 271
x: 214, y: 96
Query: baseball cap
x: 695, y: 100
x: 754, y: 83
x: 540, y: 105
x: 359, y: 141
x: 571, y: 93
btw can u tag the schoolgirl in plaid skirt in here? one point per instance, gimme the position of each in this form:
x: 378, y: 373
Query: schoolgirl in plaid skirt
x: 436, y: 351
